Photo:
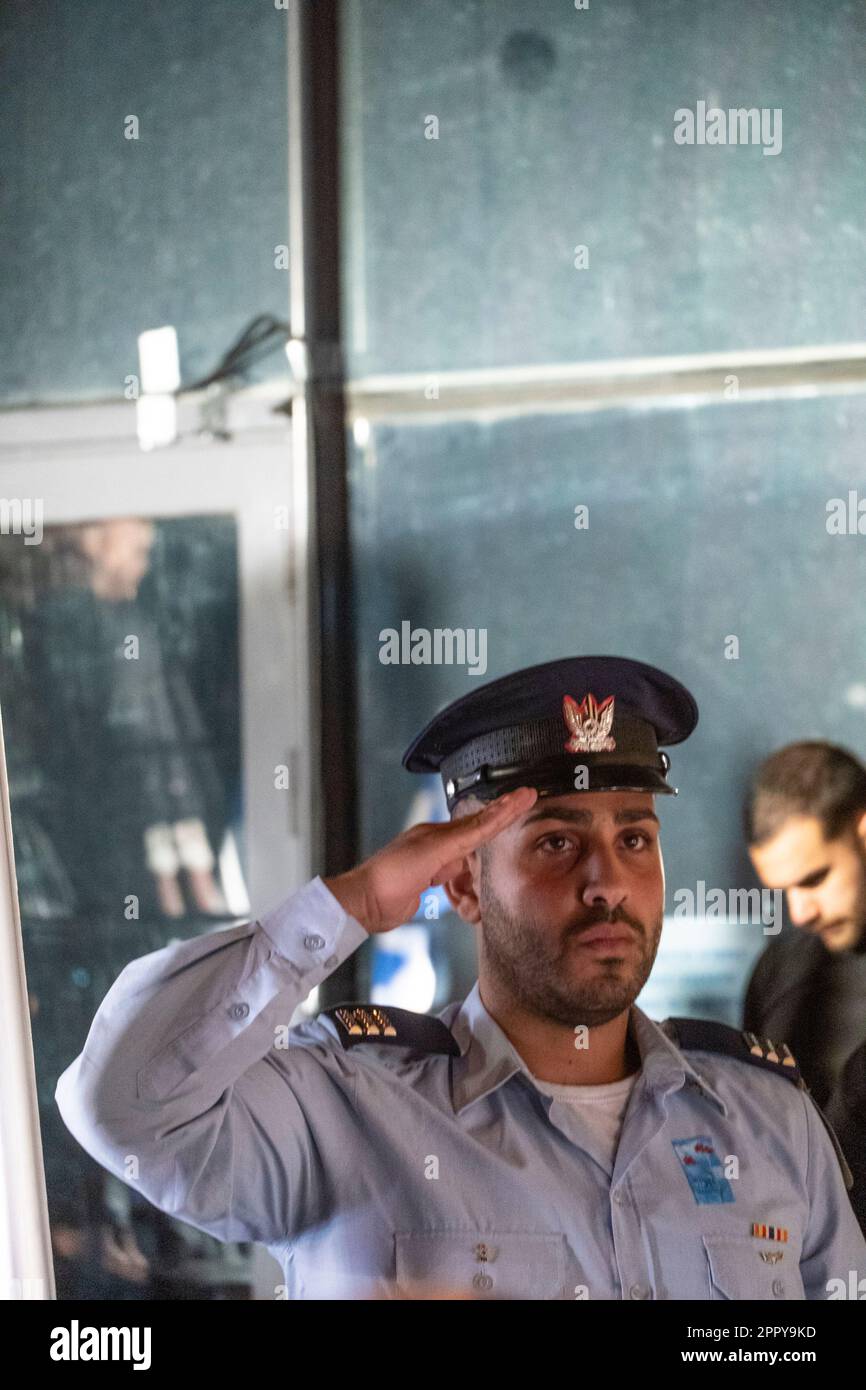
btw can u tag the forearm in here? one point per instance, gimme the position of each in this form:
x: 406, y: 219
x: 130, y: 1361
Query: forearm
x: 179, y: 1026
x: 348, y: 889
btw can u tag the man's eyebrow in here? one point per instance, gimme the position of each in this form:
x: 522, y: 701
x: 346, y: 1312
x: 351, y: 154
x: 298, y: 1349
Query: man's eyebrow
x: 806, y: 881
x: 627, y: 816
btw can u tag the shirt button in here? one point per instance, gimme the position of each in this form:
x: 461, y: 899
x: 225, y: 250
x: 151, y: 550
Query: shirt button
x: 778, y: 1288
x: 314, y: 942
x: 638, y: 1291
x: 618, y: 1197
x: 239, y: 1010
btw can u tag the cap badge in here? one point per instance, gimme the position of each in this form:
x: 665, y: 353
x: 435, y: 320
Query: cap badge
x: 590, y: 724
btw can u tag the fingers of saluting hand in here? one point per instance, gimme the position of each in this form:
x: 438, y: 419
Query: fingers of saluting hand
x: 463, y: 836
x: 469, y: 832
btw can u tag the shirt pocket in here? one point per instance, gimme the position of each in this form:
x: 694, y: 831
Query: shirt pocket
x: 479, y: 1264
x: 737, y: 1269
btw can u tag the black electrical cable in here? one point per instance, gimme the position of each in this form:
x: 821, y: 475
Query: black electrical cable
x: 253, y: 343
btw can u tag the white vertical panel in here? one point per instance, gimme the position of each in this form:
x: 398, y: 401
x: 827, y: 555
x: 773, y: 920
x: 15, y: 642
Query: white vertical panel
x: 26, y: 1270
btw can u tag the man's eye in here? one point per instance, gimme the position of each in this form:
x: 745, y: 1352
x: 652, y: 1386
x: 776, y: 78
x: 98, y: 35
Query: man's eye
x: 638, y: 835
x: 562, y: 838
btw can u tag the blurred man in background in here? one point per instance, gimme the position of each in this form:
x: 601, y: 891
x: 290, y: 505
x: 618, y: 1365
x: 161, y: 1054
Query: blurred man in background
x: 805, y: 823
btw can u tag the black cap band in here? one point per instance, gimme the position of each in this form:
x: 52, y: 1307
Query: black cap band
x: 559, y: 776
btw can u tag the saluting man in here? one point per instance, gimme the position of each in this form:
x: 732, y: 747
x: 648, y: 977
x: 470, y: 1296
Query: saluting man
x: 543, y: 1139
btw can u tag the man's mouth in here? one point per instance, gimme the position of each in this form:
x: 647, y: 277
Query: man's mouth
x: 606, y: 937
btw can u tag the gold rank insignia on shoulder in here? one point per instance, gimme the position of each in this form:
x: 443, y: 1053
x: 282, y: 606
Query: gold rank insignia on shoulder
x: 370, y: 1023
x: 771, y: 1052
x: 367, y: 1021
x: 706, y: 1035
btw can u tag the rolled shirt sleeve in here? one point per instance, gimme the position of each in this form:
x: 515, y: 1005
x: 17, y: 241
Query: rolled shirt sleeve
x: 189, y: 1086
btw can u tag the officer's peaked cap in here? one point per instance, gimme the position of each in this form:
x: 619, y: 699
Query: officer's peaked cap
x: 583, y: 723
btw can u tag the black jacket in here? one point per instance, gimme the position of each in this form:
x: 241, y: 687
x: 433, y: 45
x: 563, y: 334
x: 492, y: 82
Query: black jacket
x: 815, y: 1001
x: 846, y: 1111
x: 812, y: 999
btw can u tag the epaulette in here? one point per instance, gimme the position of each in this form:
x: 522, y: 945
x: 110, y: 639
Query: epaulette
x: 706, y: 1035
x: 370, y: 1023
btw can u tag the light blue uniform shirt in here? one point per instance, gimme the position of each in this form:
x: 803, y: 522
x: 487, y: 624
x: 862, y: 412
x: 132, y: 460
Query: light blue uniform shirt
x: 370, y: 1170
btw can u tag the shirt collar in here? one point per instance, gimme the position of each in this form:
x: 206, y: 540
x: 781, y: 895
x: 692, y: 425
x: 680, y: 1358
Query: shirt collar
x: 488, y: 1058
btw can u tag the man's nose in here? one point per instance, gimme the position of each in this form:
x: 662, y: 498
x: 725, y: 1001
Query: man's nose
x: 603, y: 883
x: 801, y: 908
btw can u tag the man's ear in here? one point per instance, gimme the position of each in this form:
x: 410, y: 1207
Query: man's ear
x: 860, y: 828
x: 462, y: 889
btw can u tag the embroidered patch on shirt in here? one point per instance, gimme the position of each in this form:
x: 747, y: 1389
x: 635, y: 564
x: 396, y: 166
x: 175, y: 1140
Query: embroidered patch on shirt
x: 703, y: 1168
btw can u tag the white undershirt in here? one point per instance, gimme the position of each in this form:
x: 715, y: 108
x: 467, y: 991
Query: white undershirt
x: 602, y: 1107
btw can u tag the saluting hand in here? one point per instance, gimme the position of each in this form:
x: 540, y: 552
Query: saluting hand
x: 384, y: 891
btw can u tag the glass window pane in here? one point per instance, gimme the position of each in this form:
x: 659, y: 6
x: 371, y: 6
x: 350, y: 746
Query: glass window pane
x: 120, y: 697
x: 554, y: 129
x: 145, y: 183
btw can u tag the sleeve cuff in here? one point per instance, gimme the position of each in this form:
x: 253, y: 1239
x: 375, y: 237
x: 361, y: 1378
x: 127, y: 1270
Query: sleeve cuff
x: 310, y: 928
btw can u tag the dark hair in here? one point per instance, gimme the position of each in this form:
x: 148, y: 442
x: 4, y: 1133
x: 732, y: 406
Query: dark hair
x: 812, y: 778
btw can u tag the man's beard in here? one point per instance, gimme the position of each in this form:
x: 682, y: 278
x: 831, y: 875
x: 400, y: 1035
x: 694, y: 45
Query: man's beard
x: 858, y: 913
x: 534, y: 965
x: 859, y: 946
